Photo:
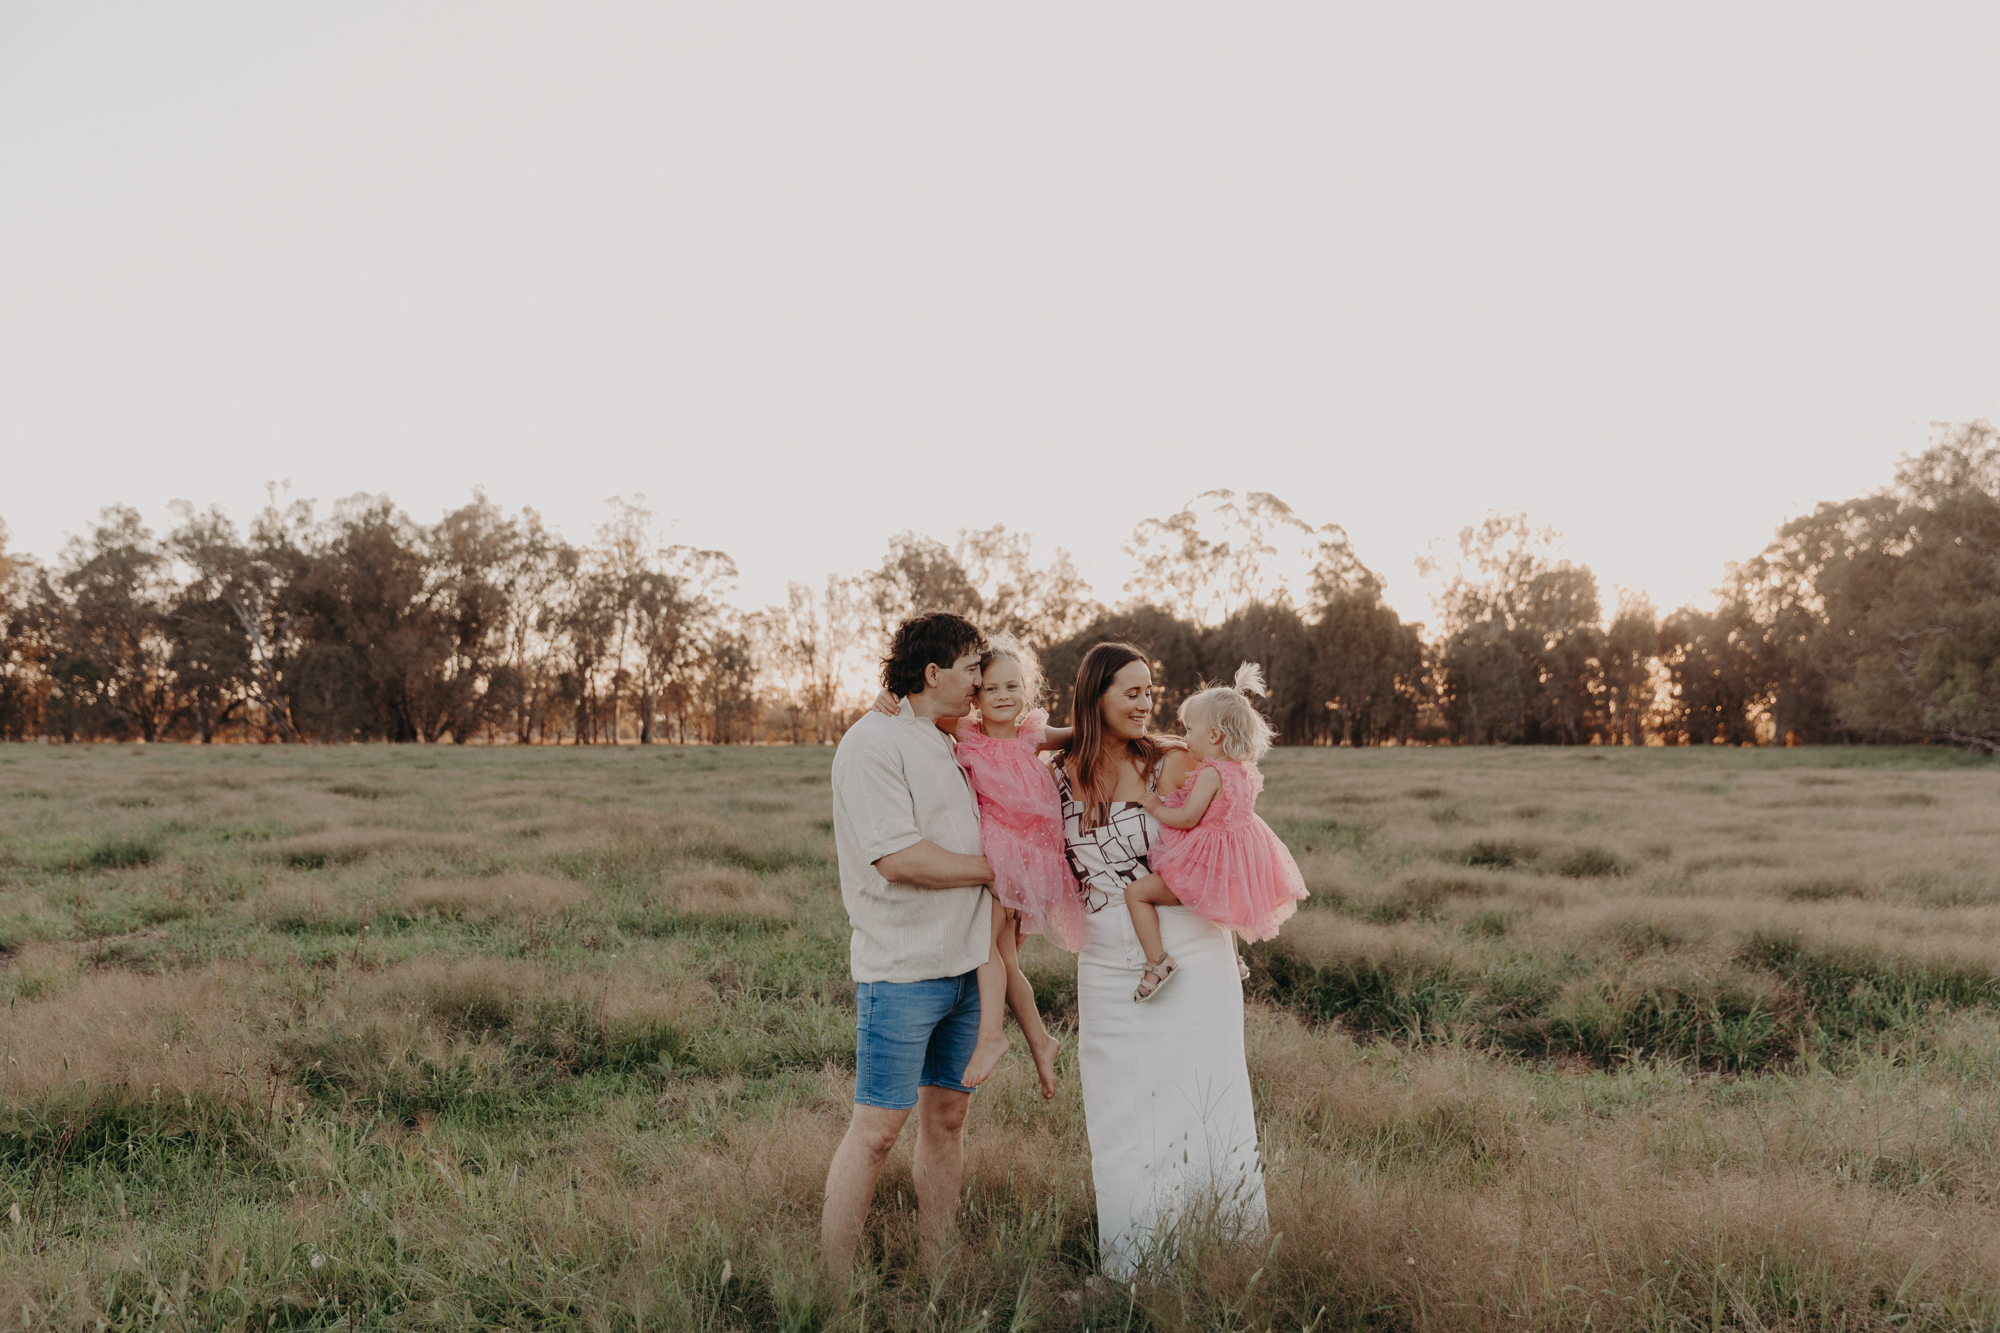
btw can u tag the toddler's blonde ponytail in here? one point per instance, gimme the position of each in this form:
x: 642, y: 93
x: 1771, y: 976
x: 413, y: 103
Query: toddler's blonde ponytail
x: 1246, y: 736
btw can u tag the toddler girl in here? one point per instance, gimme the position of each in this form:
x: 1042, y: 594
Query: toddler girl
x: 1021, y: 834
x: 1215, y: 855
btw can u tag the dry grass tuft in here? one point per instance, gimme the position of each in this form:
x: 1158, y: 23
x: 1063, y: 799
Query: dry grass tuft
x: 306, y: 903
x: 502, y: 897
x: 184, y: 1034
x: 40, y: 971
x: 707, y: 889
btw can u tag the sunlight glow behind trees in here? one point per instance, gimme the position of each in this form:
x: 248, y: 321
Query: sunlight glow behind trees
x: 1876, y: 618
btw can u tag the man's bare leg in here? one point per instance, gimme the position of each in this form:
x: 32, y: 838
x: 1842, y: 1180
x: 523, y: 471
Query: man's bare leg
x: 939, y: 1167
x: 850, y: 1181
x: 1021, y: 998
x: 992, y: 1007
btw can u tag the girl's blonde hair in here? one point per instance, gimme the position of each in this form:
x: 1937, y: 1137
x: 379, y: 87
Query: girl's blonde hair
x: 1006, y: 645
x: 1246, y: 736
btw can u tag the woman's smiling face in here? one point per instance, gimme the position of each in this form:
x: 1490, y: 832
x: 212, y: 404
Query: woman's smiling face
x: 1128, y: 705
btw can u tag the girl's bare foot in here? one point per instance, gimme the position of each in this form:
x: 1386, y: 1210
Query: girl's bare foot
x: 985, y: 1058
x: 1045, y: 1064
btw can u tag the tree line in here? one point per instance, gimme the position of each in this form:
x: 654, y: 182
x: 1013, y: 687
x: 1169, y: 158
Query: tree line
x: 1869, y: 620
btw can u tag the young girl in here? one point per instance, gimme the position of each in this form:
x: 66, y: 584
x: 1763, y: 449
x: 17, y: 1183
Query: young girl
x: 1020, y: 832
x: 1215, y: 855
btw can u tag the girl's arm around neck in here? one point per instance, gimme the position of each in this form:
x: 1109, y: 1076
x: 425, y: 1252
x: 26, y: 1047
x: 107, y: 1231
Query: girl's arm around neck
x: 1054, y: 738
x: 1205, y: 788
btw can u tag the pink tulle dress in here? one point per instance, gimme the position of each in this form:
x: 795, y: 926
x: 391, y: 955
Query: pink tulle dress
x: 1021, y: 830
x: 1230, y: 868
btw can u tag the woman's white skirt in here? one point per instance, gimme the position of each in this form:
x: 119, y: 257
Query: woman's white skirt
x: 1166, y: 1092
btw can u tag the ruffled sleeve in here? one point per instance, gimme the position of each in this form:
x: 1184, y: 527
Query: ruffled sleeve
x: 966, y: 731
x: 1033, y: 727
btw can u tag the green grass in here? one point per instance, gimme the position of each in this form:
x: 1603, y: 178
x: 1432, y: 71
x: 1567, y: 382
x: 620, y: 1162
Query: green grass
x: 454, y: 1038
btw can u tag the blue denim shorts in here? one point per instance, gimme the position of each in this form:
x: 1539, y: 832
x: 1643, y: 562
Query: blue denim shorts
x: 913, y: 1034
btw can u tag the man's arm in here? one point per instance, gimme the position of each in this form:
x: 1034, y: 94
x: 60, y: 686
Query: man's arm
x: 925, y: 865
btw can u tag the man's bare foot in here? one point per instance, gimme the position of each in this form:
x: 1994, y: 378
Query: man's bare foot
x: 1045, y: 1065
x: 985, y: 1058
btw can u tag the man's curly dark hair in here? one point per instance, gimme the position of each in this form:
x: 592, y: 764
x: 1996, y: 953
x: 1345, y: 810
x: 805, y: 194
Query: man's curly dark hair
x: 936, y: 638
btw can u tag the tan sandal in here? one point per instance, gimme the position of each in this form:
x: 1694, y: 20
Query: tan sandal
x: 1155, y: 976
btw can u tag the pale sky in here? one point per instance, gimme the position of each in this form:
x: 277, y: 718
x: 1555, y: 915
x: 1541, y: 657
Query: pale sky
x: 807, y: 275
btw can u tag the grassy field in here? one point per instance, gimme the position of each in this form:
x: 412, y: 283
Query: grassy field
x: 459, y: 1038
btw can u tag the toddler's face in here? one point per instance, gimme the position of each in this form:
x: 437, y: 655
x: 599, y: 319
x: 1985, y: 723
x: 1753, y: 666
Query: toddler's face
x: 1204, y: 742
x: 1002, y: 693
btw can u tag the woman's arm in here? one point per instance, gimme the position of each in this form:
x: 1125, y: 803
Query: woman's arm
x: 1174, y: 769
x: 1205, y: 788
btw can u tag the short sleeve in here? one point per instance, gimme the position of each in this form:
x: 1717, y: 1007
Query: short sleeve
x: 875, y: 793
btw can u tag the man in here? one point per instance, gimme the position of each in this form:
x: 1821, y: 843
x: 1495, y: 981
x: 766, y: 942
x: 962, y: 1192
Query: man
x: 906, y: 826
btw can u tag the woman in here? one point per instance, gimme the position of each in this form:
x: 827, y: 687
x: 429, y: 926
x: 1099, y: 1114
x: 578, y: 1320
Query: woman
x: 1166, y: 1093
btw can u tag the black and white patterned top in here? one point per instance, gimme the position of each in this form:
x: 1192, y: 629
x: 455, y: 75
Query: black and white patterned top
x: 1107, y: 858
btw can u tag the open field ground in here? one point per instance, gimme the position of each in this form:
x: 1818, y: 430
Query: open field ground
x: 455, y: 1038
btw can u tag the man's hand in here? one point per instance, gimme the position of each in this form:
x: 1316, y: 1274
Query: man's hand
x: 925, y: 865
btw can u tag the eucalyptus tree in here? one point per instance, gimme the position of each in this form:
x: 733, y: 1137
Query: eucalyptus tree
x: 810, y: 643
x: 1220, y: 553
x: 673, y: 603
x: 1520, y: 656
x: 474, y: 553
x: 114, y: 651
x: 1038, y: 604
x: 24, y: 643
x: 1911, y: 601
x: 1630, y: 657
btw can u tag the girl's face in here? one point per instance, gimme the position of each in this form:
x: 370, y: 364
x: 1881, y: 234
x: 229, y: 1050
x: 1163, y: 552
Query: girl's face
x: 1002, y: 692
x: 1204, y: 742
x: 1127, y: 706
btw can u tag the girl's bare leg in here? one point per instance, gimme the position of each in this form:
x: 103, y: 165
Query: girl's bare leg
x: 1021, y: 996
x: 1142, y: 899
x: 992, y: 1007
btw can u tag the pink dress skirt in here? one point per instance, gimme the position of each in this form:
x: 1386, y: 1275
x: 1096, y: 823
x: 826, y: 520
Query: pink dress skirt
x: 1021, y: 831
x: 1230, y: 868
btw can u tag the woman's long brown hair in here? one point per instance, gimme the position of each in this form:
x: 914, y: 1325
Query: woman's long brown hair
x: 1095, y: 754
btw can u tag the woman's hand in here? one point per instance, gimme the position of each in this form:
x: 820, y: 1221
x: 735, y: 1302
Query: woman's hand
x: 888, y: 704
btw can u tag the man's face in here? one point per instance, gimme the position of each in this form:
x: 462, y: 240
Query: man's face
x: 954, y: 686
